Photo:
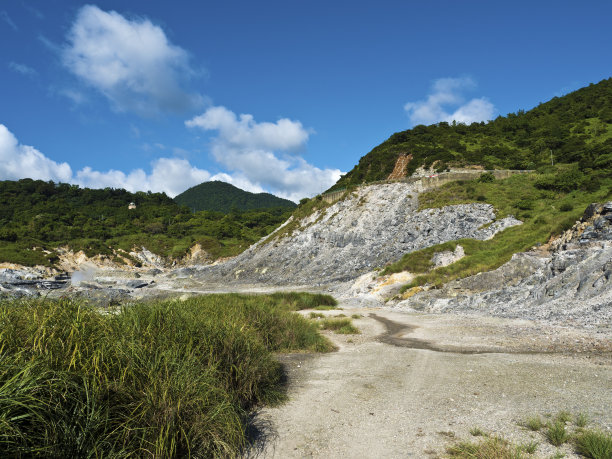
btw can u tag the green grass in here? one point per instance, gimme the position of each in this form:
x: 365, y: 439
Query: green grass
x: 478, y: 432
x: 543, y: 219
x: 556, y: 433
x: 581, y: 420
x: 342, y: 326
x: 488, y: 448
x: 563, y: 416
x: 533, y: 423
x: 529, y: 448
x: 324, y: 307
x: 160, y: 379
x: 594, y: 444
x: 303, y: 300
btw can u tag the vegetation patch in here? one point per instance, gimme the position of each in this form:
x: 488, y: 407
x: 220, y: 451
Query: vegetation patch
x: 340, y: 325
x: 533, y: 423
x: 575, y: 128
x: 594, y: 444
x: 165, y: 378
x: 556, y: 433
x: 38, y: 216
x: 488, y: 448
x: 224, y: 197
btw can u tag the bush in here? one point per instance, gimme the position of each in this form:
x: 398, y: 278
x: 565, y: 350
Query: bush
x: 566, y: 207
x: 556, y: 433
x: 486, y: 177
x: 594, y: 444
x: 525, y: 204
x: 565, y: 179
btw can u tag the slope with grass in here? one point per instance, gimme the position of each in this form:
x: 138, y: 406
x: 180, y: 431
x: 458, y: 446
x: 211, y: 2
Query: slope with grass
x: 224, y: 197
x: 575, y: 128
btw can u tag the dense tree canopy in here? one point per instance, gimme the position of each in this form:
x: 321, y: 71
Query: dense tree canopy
x: 36, y: 217
x: 223, y: 197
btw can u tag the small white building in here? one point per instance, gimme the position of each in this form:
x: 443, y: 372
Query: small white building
x: 132, y: 205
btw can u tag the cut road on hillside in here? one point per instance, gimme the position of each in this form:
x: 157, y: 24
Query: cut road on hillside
x: 411, y: 384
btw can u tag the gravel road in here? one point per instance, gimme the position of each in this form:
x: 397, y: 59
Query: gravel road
x: 411, y: 384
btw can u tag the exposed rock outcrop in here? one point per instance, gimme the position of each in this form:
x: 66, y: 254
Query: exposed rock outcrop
x: 371, y: 227
x: 570, y: 284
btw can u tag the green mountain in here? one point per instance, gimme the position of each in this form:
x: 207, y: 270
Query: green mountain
x: 37, y: 217
x: 223, y: 197
x: 575, y: 128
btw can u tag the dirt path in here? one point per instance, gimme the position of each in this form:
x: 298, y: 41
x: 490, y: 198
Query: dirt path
x: 409, y: 385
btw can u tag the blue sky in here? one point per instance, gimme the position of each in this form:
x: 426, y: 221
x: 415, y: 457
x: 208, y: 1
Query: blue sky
x: 277, y: 96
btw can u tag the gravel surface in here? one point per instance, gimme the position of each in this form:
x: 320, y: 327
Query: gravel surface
x: 375, y: 398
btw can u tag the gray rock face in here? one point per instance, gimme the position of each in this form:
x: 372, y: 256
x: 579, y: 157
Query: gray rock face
x: 374, y: 226
x: 571, y: 285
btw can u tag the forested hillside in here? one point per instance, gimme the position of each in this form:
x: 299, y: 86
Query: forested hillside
x: 36, y: 217
x: 573, y: 129
x: 223, y: 197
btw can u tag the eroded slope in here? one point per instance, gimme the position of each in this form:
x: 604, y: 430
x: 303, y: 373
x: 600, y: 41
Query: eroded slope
x: 371, y: 227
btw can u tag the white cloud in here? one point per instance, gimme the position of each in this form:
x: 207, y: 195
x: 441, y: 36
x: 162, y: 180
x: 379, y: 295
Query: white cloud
x: 447, y: 94
x: 131, y: 62
x: 244, y: 132
x: 259, y: 154
x: 20, y: 161
x: 22, y: 69
x: 170, y: 175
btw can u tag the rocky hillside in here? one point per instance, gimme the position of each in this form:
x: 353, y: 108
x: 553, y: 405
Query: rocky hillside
x: 569, y: 283
x: 367, y: 229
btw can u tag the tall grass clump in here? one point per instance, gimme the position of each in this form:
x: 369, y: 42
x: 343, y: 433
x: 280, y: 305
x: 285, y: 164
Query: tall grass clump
x: 489, y: 448
x: 342, y: 326
x: 594, y: 444
x: 157, y: 379
x: 556, y: 433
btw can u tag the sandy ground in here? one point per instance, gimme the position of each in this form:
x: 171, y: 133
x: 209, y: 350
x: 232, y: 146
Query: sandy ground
x: 411, y: 384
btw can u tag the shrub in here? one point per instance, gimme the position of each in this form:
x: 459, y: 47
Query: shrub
x: 533, y: 423
x: 556, y: 433
x: 486, y: 177
x: 525, y: 204
x: 566, y: 207
x: 594, y: 444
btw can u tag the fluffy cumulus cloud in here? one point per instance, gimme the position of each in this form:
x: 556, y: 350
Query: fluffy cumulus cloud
x: 447, y: 103
x: 262, y: 156
x: 170, y: 175
x: 131, y: 62
x: 20, y: 161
